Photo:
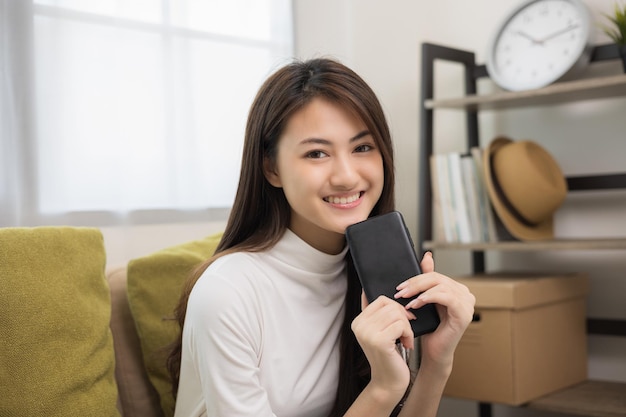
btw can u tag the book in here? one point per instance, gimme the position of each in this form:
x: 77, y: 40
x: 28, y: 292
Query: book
x: 439, y: 230
x: 470, y: 187
x: 458, y: 198
x: 442, y: 183
x: 486, y: 210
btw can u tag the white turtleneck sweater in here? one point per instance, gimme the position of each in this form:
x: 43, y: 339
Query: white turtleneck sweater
x: 261, y: 334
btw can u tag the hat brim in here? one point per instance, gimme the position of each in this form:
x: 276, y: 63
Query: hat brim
x: 515, y: 226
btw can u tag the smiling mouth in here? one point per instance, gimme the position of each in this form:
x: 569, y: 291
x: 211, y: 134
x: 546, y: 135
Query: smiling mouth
x: 343, y: 200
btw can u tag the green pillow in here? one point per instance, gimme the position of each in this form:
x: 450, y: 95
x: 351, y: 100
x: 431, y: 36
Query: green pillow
x: 154, y: 286
x: 56, y: 348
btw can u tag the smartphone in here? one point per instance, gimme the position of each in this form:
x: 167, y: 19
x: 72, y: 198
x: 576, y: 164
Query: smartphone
x: 384, y: 256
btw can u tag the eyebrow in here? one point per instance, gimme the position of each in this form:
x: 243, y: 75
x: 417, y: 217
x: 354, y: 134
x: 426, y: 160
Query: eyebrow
x: 327, y: 142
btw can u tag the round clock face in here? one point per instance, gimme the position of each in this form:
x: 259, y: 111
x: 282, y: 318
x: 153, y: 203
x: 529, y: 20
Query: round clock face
x: 541, y: 41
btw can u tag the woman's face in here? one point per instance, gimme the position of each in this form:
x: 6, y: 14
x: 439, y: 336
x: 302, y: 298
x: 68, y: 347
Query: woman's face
x: 330, y: 170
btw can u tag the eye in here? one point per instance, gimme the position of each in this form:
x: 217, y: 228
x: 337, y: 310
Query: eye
x: 316, y: 154
x: 365, y: 147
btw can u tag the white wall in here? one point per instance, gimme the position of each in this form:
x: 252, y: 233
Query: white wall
x: 381, y: 41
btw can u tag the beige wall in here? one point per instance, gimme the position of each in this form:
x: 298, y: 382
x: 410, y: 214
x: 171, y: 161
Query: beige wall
x: 381, y: 41
x: 123, y: 243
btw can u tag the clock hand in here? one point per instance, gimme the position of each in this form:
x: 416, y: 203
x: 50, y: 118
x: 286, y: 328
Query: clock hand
x: 557, y: 33
x: 527, y: 36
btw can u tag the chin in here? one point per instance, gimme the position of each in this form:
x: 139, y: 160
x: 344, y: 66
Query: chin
x: 352, y: 220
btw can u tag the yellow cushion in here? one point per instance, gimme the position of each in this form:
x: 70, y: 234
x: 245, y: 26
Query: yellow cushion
x: 56, y: 348
x: 154, y: 286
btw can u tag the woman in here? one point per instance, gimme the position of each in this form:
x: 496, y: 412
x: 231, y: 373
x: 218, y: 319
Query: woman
x: 274, y: 323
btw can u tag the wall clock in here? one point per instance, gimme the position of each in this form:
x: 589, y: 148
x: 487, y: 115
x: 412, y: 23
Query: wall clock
x: 540, y: 42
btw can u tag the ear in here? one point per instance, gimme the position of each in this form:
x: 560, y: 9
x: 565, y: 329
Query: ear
x: 271, y: 173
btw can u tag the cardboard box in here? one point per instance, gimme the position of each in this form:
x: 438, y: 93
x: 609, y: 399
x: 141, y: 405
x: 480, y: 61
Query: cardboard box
x: 528, y: 338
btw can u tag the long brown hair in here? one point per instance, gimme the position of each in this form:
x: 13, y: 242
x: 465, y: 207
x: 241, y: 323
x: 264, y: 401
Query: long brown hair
x: 261, y: 214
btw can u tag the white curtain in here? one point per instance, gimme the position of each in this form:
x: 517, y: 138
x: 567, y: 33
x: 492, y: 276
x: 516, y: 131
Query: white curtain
x: 129, y: 110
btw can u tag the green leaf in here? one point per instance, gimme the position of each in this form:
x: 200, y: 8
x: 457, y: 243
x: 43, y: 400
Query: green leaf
x: 617, y: 29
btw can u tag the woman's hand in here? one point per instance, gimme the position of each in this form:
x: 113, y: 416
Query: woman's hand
x: 377, y: 329
x: 455, y: 305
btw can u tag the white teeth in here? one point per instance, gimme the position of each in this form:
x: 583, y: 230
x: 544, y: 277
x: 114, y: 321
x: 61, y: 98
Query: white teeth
x: 343, y: 200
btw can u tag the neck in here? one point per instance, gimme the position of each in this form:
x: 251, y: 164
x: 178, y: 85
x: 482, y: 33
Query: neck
x: 324, y: 241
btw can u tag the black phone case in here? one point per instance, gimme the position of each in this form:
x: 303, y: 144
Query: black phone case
x: 384, y: 256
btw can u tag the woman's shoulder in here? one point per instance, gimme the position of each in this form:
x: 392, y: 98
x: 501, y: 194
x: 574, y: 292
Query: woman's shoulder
x: 226, y: 299
x: 226, y: 291
x: 234, y: 277
x: 234, y: 267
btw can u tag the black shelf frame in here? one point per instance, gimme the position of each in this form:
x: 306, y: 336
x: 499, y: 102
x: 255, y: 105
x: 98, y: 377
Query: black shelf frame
x: 472, y: 73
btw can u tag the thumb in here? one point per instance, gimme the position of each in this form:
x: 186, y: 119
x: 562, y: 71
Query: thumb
x: 364, y: 302
x: 428, y: 263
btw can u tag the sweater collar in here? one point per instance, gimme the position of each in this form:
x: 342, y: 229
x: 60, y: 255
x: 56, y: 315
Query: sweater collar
x: 294, y: 251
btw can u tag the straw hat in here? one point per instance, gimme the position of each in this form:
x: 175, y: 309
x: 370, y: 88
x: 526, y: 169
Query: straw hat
x: 525, y: 186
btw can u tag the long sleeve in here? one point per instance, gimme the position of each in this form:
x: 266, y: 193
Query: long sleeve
x: 261, y: 335
x: 223, y: 331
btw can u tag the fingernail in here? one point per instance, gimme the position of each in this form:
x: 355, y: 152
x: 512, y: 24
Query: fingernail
x: 401, y: 285
x: 399, y: 293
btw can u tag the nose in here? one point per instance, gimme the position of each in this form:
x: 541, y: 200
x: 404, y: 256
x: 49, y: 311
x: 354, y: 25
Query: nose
x: 344, y: 173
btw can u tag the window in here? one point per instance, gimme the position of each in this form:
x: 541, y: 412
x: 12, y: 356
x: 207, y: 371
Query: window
x: 132, y: 108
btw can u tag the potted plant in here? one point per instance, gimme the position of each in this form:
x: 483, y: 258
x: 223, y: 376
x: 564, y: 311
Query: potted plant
x: 617, y: 30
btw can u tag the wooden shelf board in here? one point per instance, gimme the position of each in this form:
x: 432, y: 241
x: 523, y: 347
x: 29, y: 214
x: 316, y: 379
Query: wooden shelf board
x: 563, y: 92
x: 560, y: 244
x: 591, y: 398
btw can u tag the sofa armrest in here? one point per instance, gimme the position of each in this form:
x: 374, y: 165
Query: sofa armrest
x: 137, y: 396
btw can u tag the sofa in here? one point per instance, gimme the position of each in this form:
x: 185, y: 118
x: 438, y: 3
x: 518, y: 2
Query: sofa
x: 80, y: 339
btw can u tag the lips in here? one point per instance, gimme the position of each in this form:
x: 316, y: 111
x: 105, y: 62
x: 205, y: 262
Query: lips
x: 344, y: 199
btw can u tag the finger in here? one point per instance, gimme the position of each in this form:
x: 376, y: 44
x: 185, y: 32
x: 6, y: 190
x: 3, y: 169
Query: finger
x: 433, y: 288
x: 415, y: 285
x: 380, y: 302
x: 407, y: 338
x: 382, y: 312
x: 397, y: 330
x: 428, y: 263
x: 437, y: 292
x: 393, y: 326
x: 456, y: 298
x: 364, y: 302
x: 369, y: 310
